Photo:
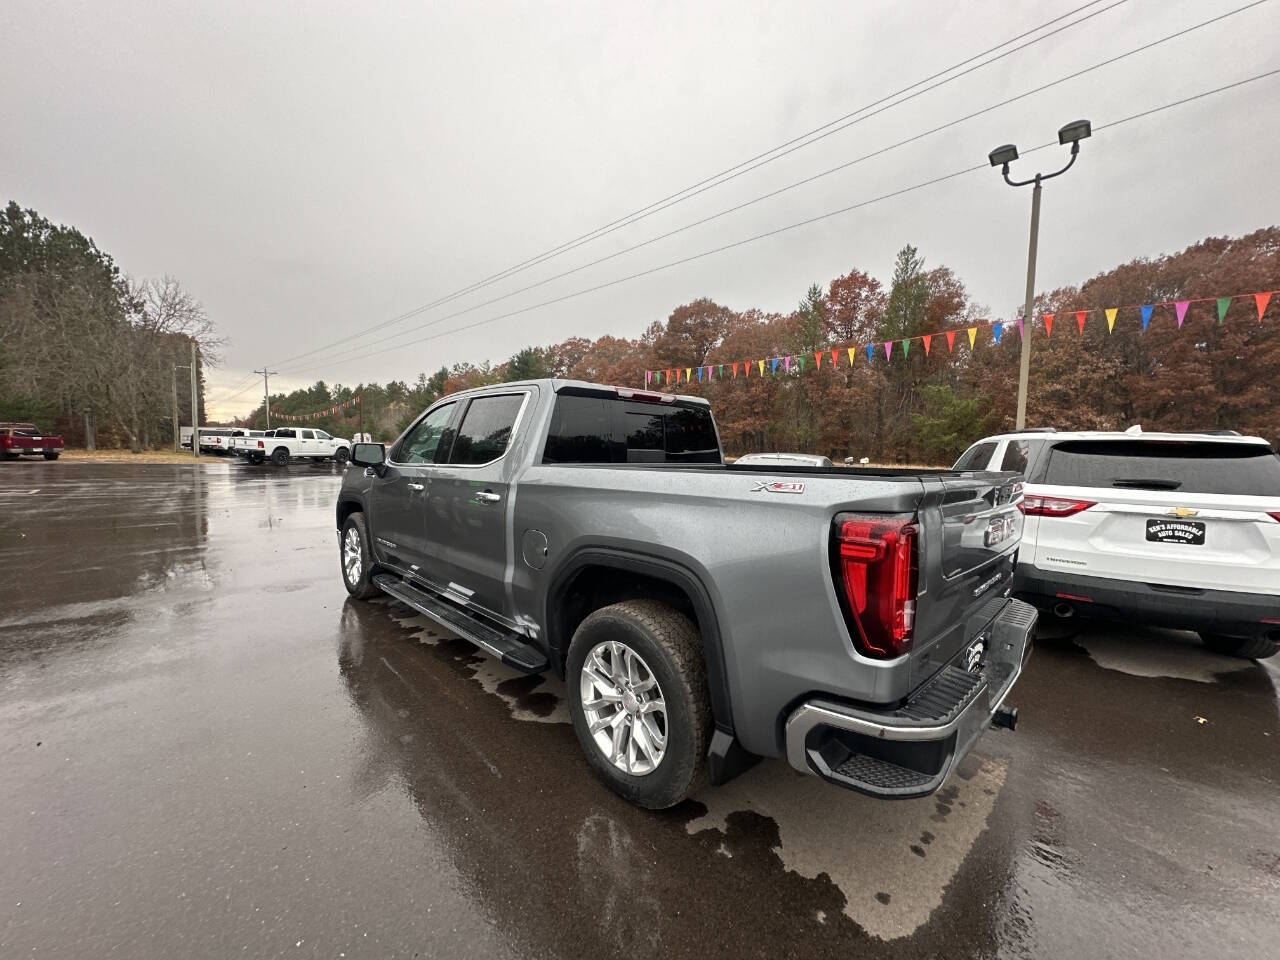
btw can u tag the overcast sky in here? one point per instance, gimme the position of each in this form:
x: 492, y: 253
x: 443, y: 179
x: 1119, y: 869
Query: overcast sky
x: 309, y: 170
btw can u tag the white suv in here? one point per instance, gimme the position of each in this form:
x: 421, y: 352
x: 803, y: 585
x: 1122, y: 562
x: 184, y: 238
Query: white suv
x: 1174, y: 529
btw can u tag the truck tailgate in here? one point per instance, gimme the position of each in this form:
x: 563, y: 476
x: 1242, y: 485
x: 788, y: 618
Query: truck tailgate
x: 970, y: 530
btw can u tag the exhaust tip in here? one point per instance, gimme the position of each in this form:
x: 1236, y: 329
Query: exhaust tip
x: 1063, y: 610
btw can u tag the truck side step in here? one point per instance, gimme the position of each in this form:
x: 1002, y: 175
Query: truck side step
x: 510, y: 648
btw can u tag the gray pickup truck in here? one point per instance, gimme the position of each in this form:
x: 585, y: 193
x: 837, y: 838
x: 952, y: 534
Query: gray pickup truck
x: 856, y: 621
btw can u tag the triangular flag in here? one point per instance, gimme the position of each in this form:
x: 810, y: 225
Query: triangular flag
x: 699, y: 374
x: 927, y: 338
x: 735, y: 370
x: 1261, y: 300
x: 906, y: 347
x: 802, y: 358
x: 773, y: 364
x: 1146, y: 315
x: 1021, y: 332
x: 1111, y: 318
x: 720, y: 370
x: 951, y: 341
x: 835, y: 358
x: 1181, y: 308
x: 648, y: 377
x: 871, y: 351
x: 1223, y: 304
x: 888, y: 349
x: 850, y: 352
x: 817, y: 358
x: 973, y: 336
x: 1048, y: 324
x: 996, y: 329
x: 688, y: 374
x: 746, y: 368
x: 786, y: 364
x: 1080, y: 318
x: 760, y: 364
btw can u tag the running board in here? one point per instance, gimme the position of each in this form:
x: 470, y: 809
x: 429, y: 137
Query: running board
x: 510, y: 648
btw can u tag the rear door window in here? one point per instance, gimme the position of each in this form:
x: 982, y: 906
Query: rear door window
x: 1240, y: 469
x: 1015, y: 456
x: 308, y: 435
x: 976, y: 457
x: 486, y: 429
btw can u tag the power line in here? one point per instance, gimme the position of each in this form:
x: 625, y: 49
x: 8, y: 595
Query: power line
x: 741, y: 168
x: 807, y: 222
x: 807, y: 180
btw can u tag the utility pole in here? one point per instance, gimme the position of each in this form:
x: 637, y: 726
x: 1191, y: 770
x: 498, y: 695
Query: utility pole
x: 195, y: 405
x: 1024, y: 359
x: 177, y: 430
x: 1001, y: 157
x: 266, y: 395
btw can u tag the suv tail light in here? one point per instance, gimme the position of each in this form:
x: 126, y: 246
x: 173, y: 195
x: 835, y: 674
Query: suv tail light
x: 1036, y: 506
x: 876, y: 566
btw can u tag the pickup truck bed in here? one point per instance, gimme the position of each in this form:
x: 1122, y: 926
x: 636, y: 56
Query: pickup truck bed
x: 855, y: 622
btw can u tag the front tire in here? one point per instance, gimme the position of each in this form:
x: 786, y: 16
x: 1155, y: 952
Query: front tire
x: 638, y: 698
x: 355, y: 559
x: 1250, y: 648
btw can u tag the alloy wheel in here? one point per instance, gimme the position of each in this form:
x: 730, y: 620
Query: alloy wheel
x: 624, y: 708
x: 352, y: 561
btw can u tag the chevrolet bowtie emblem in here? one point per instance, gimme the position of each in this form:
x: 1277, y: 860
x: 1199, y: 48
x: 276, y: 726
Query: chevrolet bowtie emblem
x: 1183, y: 512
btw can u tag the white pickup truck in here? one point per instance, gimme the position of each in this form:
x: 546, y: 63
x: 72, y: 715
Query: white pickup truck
x: 290, y: 443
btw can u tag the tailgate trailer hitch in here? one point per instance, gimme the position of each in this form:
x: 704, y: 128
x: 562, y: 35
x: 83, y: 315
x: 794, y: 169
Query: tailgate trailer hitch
x: 1005, y: 718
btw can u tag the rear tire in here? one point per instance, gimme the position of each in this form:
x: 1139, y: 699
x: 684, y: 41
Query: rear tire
x: 355, y: 560
x: 669, y: 649
x: 51, y: 456
x: 341, y: 455
x: 280, y: 457
x: 1251, y: 648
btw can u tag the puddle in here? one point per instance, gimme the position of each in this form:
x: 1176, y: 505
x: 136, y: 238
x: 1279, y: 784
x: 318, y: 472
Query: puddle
x: 1156, y: 653
x: 537, y: 699
x: 892, y: 860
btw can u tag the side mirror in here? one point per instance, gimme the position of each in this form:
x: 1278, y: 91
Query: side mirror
x: 368, y: 454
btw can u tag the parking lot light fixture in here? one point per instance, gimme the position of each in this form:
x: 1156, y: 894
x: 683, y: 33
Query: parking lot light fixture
x: 1001, y: 157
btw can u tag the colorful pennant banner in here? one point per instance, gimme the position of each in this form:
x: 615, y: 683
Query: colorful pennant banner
x: 327, y: 411
x: 792, y: 362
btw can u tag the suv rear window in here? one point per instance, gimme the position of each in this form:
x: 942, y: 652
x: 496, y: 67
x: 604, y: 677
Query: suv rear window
x: 1241, y: 469
x: 591, y: 429
x: 976, y: 457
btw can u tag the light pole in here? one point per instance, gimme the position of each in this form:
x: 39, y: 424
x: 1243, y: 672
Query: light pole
x: 1001, y: 157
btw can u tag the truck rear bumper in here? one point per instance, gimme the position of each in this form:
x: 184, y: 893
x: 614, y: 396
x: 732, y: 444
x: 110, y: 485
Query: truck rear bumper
x: 909, y: 751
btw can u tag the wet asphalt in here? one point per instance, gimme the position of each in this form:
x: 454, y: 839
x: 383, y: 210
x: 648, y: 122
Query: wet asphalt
x: 206, y: 750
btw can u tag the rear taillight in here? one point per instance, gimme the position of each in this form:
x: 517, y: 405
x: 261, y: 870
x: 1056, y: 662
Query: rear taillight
x: 1275, y: 515
x: 1036, y: 506
x: 876, y: 558
x: 6, y: 441
x: 260, y: 446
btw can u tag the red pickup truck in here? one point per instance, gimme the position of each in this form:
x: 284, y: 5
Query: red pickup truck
x: 26, y: 440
